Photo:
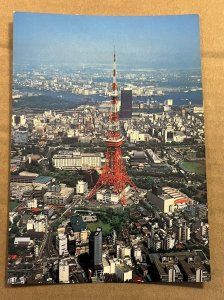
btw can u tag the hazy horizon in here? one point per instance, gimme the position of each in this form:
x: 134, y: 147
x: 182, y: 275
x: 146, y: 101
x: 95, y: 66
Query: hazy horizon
x: 154, y: 42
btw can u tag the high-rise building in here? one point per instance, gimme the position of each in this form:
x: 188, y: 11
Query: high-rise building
x: 18, y: 120
x: 61, y: 242
x: 95, y: 248
x: 168, y: 135
x: 114, y: 237
x: 64, y: 271
x: 126, y: 104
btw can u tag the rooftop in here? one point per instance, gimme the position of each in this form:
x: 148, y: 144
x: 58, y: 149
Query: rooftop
x: 22, y: 239
x: 124, y: 268
x: 77, y: 223
x: 43, y: 179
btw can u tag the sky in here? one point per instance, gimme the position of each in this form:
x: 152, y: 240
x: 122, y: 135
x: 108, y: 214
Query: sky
x: 161, y: 42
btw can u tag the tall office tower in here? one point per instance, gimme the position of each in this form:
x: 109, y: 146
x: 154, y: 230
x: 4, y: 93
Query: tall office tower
x: 63, y: 271
x: 113, y: 176
x: 126, y: 104
x: 114, y: 237
x: 95, y: 248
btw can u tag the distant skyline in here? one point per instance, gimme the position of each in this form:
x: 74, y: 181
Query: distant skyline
x: 169, y: 42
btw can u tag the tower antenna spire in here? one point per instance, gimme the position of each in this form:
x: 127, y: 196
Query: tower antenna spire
x: 114, y: 84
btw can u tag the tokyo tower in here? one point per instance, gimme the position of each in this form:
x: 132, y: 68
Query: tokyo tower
x: 113, y: 173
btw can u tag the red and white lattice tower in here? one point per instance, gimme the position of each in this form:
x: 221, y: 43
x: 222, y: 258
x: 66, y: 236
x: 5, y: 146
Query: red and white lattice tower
x: 113, y: 172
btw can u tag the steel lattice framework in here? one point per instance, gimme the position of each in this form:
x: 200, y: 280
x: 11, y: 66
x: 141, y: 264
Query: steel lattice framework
x: 113, y: 172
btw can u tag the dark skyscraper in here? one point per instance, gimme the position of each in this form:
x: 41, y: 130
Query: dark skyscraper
x: 126, y: 104
x: 95, y: 248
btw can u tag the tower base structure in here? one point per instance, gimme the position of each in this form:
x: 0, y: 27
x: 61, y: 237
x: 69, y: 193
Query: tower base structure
x: 113, y: 176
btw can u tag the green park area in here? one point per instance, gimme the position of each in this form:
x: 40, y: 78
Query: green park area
x: 109, y: 219
x: 196, y: 167
x: 106, y: 228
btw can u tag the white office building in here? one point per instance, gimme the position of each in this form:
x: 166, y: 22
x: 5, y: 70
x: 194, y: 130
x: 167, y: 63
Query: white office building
x: 81, y: 187
x: 62, y: 244
x: 63, y: 271
x: 123, y: 272
x: 77, y: 161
